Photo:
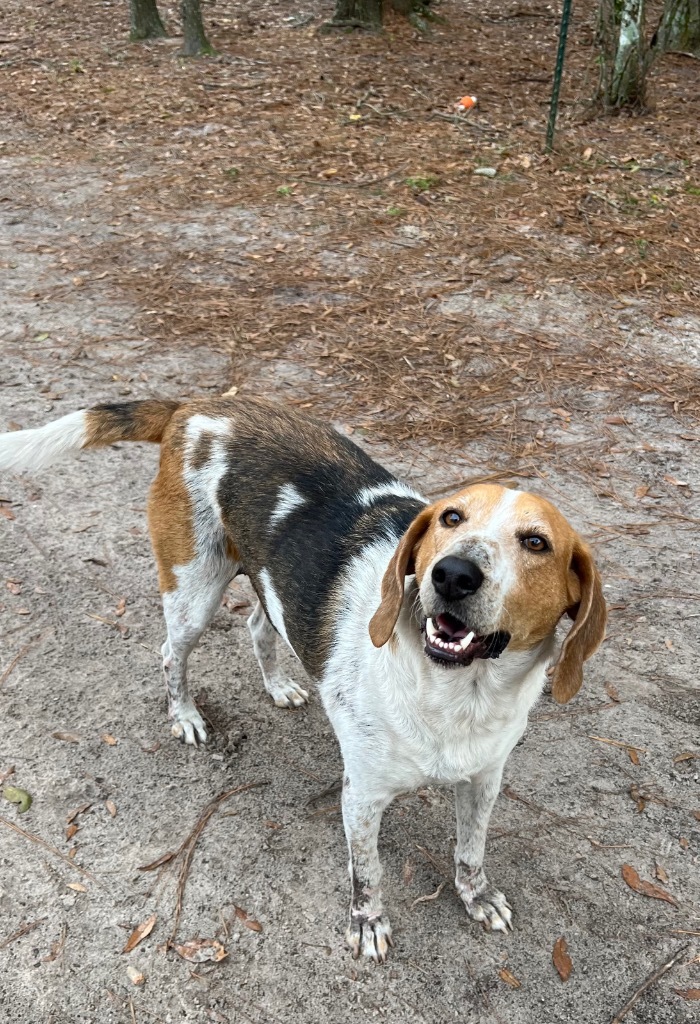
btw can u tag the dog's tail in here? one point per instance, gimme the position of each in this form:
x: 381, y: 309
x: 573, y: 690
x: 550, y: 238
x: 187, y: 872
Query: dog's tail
x: 89, y: 428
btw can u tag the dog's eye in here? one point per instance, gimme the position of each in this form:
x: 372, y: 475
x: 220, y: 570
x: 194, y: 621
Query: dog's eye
x: 535, y: 543
x: 451, y: 517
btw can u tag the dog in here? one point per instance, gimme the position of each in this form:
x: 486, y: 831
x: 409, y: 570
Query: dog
x: 429, y: 627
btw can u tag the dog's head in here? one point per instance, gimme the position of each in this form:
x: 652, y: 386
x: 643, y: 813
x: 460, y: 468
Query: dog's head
x: 495, y: 569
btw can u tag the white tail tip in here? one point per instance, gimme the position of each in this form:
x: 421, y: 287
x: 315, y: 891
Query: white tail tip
x: 33, y: 449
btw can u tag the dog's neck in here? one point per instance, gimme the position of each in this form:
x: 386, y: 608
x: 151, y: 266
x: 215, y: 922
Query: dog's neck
x: 488, y: 690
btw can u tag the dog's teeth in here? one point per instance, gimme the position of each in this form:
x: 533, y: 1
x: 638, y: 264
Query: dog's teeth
x: 430, y: 627
x: 466, y: 640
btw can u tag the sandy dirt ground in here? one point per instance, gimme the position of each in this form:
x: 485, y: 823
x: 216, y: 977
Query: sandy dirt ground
x: 607, y: 781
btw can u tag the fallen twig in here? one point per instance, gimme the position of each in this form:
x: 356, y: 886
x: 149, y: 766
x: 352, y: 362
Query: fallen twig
x: 648, y: 982
x: 187, y: 846
x: 567, y: 712
x: 619, y: 743
x: 47, y: 846
x: 431, y: 896
x: 21, y: 653
x: 22, y: 930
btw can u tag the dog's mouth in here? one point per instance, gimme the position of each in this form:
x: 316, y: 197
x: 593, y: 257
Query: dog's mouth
x: 450, y: 642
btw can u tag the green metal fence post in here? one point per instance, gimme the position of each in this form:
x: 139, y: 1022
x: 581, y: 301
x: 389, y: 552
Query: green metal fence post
x: 558, y: 69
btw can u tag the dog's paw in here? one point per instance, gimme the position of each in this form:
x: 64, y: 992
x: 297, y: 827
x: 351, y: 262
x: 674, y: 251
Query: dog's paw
x: 370, y: 937
x: 188, y: 725
x: 491, y: 908
x: 286, y: 693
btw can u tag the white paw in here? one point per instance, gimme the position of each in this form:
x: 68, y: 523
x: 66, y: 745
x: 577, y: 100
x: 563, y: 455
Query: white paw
x: 286, y: 693
x: 492, y: 909
x: 188, y: 725
x: 369, y: 936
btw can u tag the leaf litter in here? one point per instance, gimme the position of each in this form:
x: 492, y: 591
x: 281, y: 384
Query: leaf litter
x: 631, y: 877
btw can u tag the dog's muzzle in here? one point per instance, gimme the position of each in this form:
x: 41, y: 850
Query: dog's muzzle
x: 451, y: 643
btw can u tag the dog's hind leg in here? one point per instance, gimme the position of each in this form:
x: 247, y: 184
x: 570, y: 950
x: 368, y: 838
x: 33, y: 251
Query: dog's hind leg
x: 285, y: 692
x: 188, y: 610
x: 196, y: 562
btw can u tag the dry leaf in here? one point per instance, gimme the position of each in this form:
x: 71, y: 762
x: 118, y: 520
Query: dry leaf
x: 77, y: 887
x: 561, y: 959
x: 139, y: 933
x: 121, y: 608
x: 249, y: 922
x: 616, y: 421
x: 639, y: 798
x: 696, y: 815
x: 6, y: 512
x: 612, y: 693
x: 676, y: 483
x: 633, y: 755
x: 684, y: 843
x: 689, y: 755
x: 157, y: 863
x: 646, y: 888
x: 135, y: 977
x: 109, y: 740
x: 408, y: 872
x: 587, y: 153
x: 111, y: 807
x: 642, y: 491
x: 688, y: 993
x: 199, y: 951
x: 72, y: 815
x: 14, y: 586
x: 66, y: 737
x: 71, y: 830
x: 509, y: 978
x: 660, y: 873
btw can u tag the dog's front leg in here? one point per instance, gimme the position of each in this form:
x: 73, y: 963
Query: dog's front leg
x: 369, y: 931
x: 474, y: 802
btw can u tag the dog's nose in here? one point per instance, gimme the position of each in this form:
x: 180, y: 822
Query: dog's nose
x: 455, y: 578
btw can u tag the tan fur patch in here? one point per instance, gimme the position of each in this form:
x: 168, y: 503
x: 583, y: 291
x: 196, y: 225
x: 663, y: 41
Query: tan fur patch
x: 170, y: 512
x: 128, y: 421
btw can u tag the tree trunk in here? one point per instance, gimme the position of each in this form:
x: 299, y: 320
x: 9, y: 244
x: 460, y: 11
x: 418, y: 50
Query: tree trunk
x: 679, y: 28
x: 195, y: 41
x: 624, y: 56
x: 145, y: 21
x: 365, y: 14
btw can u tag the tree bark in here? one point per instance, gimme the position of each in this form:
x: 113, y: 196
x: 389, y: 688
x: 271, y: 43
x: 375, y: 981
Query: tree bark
x: 145, y: 20
x: 624, y: 54
x: 195, y: 42
x: 679, y: 28
x: 365, y: 14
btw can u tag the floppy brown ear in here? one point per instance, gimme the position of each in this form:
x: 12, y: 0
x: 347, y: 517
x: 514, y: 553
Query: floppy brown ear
x: 382, y: 623
x: 587, y: 633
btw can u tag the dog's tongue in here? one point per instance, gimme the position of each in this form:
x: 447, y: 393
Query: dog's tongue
x: 452, y: 627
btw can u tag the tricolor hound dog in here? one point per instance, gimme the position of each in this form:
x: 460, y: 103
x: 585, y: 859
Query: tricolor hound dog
x: 428, y: 627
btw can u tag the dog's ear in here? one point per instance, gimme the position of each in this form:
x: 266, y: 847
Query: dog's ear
x: 586, y: 635
x: 402, y: 564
